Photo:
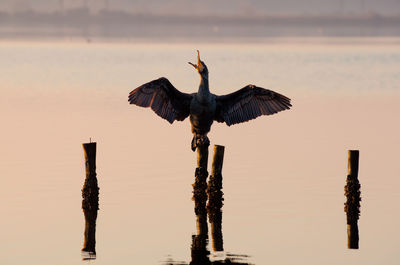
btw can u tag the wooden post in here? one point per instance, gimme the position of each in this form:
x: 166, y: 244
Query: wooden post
x: 353, y: 195
x: 199, y: 250
x: 202, y: 155
x: 200, y: 185
x: 90, y: 202
x: 218, y: 160
x: 215, y: 198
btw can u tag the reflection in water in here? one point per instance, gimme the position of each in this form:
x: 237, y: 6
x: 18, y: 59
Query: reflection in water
x: 90, y: 202
x: 199, y: 250
x: 199, y: 253
x: 214, y: 206
x: 90, y: 207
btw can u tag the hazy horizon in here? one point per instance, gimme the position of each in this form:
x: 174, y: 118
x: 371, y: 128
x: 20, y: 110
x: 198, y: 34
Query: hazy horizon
x: 210, y: 7
x: 194, y: 20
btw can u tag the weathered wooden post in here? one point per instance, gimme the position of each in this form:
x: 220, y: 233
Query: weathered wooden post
x: 200, y: 187
x: 202, y: 154
x: 215, y: 198
x: 90, y: 202
x: 199, y: 250
x: 353, y: 195
x: 218, y: 160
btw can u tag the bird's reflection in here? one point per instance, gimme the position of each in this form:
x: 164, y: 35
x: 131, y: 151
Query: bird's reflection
x: 90, y: 206
x: 200, y: 254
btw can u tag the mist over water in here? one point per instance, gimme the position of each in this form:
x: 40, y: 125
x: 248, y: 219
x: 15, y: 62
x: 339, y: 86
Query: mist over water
x: 197, y: 21
x: 221, y: 7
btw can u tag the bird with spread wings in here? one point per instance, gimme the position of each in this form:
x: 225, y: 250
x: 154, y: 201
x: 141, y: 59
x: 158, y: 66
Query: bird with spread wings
x: 204, y: 107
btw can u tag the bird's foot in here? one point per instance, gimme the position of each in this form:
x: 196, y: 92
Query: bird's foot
x: 193, y: 146
x: 203, y: 141
x: 200, y: 140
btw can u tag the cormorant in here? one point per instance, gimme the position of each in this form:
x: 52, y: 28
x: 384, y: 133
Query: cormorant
x: 204, y: 107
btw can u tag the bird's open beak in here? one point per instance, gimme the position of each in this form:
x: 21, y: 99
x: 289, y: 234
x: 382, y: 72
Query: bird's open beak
x: 199, y: 66
x: 192, y: 64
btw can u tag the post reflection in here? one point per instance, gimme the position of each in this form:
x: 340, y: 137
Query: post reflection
x: 214, y: 206
x: 200, y: 255
x: 90, y: 206
x: 90, y: 202
x: 199, y: 252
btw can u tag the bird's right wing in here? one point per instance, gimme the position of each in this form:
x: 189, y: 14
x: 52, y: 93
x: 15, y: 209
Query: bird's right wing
x: 249, y: 103
x: 163, y: 98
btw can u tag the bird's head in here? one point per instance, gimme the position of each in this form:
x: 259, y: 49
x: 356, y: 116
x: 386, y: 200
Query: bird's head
x: 200, y: 66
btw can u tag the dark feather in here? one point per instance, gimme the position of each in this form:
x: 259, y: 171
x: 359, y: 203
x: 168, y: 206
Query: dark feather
x: 163, y: 98
x: 249, y: 103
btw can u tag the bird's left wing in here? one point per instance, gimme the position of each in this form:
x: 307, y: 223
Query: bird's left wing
x: 163, y: 98
x: 249, y: 103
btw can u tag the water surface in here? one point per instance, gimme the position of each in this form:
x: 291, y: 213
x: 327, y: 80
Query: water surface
x: 283, y: 175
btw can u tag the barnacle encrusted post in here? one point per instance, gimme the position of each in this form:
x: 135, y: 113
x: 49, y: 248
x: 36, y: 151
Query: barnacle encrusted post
x: 199, y: 250
x: 90, y: 202
x: 353, y: 195
x: 200, y: 187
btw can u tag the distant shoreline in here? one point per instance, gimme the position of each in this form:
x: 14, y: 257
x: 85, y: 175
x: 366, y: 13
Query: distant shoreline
x: 306, y: 41
x: 80, y: 23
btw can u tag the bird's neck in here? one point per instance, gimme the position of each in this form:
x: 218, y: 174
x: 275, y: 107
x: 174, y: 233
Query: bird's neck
x: 203, y: 95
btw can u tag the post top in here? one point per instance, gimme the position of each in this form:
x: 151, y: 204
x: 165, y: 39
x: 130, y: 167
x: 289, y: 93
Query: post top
x: 354, y: 151
x: 91, y: 143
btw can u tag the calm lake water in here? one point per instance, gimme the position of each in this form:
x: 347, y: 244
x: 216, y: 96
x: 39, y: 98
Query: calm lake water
x: 283, y: 174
